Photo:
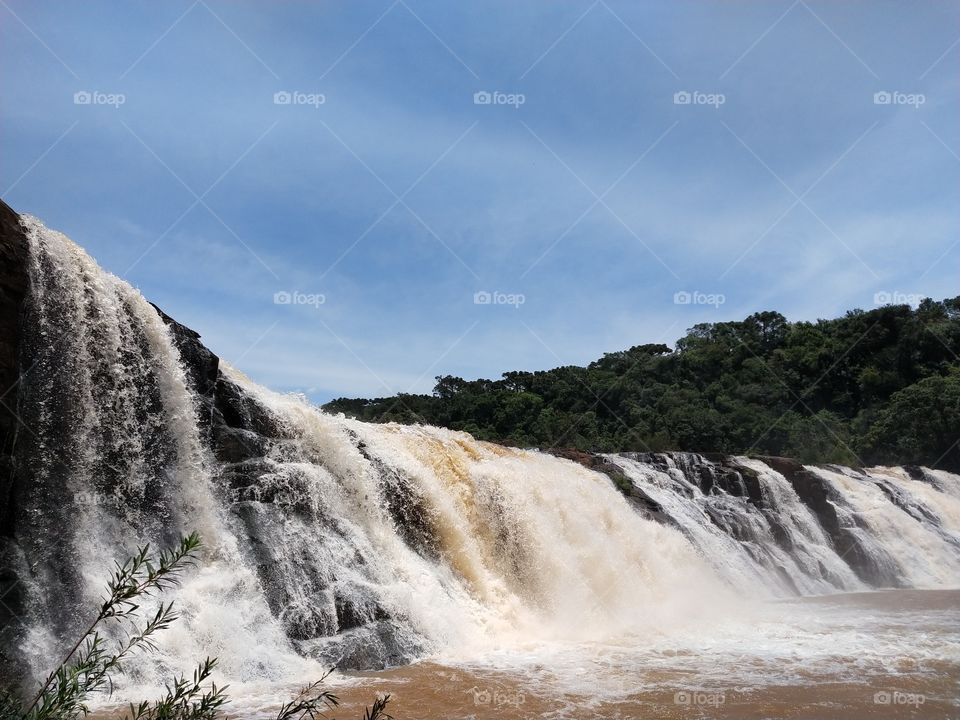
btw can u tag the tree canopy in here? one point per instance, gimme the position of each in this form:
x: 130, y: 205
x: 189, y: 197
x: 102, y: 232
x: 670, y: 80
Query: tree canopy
x: 877, y: 386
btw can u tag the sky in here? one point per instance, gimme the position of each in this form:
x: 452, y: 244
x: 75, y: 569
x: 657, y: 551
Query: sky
x: 350, y: 198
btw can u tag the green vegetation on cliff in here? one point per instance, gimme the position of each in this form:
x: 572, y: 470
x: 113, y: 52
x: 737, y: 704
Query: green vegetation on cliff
x: 878, y: 386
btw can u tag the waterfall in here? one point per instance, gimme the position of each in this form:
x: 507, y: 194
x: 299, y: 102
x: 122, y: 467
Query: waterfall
x: 332, y: 541
x: 113, y: 449
x: 906, y: 527
x: 419, y: 539
x: 882, y: 527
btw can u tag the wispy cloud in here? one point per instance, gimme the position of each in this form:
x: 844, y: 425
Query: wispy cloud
x: 381, y: 96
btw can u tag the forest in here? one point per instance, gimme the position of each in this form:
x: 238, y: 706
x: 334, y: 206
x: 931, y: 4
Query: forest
x: 880, y: 386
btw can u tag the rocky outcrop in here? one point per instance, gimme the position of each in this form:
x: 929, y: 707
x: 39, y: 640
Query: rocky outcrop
x: 708, y: 471
x: 331, y: 618
x: 202, y: 366
x: 14, y: 252
x: 19, y: 567
x: 635, y: 495
x: 723, y: 475
x: 817, y: 495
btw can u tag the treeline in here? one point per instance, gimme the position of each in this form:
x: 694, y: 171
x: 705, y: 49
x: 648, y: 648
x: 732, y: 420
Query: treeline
x: 878, y: 386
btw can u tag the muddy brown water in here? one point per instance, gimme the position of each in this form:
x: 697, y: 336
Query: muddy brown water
x: 880, y: 655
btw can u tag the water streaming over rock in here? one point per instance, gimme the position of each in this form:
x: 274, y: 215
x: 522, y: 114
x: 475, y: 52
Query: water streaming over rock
x: 367, y: 545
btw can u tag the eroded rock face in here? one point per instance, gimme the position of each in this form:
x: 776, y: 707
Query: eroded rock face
x: 822, y: 499
x: 734, y: 499
x: 635, y: 495
x: 240, y: 435
x: 14, y: 251
x: 202, y: 366
x: 324, y: 616
x: 13, y: 287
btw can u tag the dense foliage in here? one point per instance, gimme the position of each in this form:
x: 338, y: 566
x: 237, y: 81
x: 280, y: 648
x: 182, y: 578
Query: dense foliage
x: 878, y: 386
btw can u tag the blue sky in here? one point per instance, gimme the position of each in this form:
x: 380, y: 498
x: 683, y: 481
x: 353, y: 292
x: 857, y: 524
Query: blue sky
x: 588, y: 188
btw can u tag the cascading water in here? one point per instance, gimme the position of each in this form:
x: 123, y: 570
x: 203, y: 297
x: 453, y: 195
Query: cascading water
x: 357, y: 544
x: 749, y: 522
x: 772, y: 543
x: 113, y: 449
x: 334, y: 541
x: 417, y: 539
x: 907, y: 527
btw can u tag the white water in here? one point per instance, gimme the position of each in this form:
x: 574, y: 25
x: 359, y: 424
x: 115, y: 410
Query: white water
x: 752, y: 559
x: 924, y: 554
x: 684, y: 503
x: 531, y: 547
x: 93, y: 328
x: 432, y: 543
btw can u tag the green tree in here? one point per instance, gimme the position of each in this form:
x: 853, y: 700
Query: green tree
x: 920, y: 424
x: 824, y: 391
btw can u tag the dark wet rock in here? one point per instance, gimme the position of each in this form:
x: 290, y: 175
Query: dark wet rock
x: 244, y: 479
x: 751, y: 482
x: 357, y: 607
x: 820, y: 497
x: 234, y: 445
x: 331, y: 614
x: 308, y: 621
x: 780, y: 533
x: 926, y: 475
x: 375, y: 646
x: 14, y: 255
x: 916, y: 473
x: 411, y: 515
x: 234, y: 408
x: 637, y: 497
x: 202, y: 366
x: 264, y: 527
